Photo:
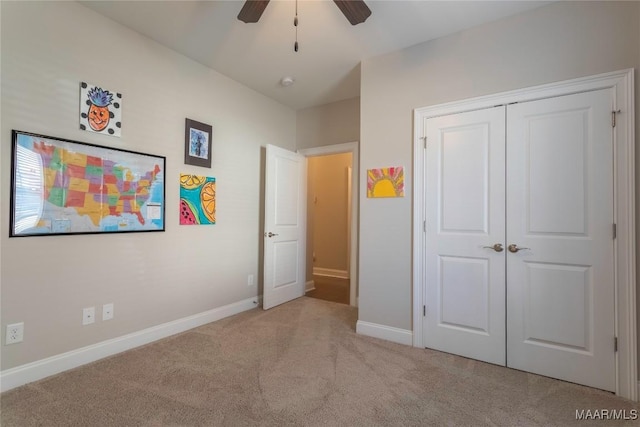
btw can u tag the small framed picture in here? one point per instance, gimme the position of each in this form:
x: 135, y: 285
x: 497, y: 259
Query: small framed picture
x: 197, y: 143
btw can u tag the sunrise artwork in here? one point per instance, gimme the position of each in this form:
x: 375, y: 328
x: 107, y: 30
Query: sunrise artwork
x: 385, y: 182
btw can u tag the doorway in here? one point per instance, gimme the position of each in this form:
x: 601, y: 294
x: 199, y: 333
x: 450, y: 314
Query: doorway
x: 328, y: 221
x: 332, y: 213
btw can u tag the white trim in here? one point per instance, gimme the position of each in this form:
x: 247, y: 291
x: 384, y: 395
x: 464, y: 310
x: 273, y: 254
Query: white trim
x: 330, y: 272
x: 625, y: 245
x: 349, y: 216
x: 583, y: 84
x: 419, y: 231
x: 347, y: 147
x: 388, y: 333
x: 310, y: 286
x: 20, y: 375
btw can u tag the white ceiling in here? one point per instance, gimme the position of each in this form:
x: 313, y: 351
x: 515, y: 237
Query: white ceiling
x: 326, y: 67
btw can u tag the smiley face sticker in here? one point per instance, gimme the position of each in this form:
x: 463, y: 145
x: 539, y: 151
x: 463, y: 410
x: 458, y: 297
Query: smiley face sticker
x: 100, y: 110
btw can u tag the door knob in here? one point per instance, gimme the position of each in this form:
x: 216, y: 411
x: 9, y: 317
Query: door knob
x: 270, y: 234
x: 514, y: 248
x: 497, y: 247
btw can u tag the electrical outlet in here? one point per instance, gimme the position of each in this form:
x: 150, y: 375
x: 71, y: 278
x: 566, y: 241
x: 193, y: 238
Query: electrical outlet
x: 107, y: 311
x: 250, y: 280
x: 88, y: 315
x: 15, y: 333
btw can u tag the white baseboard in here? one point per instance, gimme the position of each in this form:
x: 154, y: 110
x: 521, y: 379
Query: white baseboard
x: 330, y: 272
x: 389, y: 333
x: 310, y: 286
x: 20, y: 375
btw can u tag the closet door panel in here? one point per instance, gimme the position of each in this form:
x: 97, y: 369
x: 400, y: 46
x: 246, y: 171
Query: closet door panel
x: 465, y: 295
x: 560, y: 277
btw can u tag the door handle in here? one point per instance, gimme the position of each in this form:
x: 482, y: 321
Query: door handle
x: 497, y: 247
x: 270, y: 234
x: 513, y: 248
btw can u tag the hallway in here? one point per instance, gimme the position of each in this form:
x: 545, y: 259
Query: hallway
x: 330, y: 289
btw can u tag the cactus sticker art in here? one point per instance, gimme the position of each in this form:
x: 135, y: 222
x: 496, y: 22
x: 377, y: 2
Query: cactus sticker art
x: 197, y: 200
x: 100, y: 110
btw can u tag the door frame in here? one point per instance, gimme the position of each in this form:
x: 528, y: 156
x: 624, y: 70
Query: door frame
x: 622, y: 84
x: 347, y: 147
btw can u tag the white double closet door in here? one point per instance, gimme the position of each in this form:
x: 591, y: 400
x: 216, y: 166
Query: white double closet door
x: 519, y: 237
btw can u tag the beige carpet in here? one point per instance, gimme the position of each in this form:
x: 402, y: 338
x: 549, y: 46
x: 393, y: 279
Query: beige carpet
x: 298, y: 364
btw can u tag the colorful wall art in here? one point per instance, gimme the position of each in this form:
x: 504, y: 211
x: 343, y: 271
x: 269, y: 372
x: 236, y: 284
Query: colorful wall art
x: 197, y: 200
x: 100, y: 110
x: 385, y: 182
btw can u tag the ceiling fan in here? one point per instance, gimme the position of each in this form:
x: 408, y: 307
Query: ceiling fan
x: 356, y: 11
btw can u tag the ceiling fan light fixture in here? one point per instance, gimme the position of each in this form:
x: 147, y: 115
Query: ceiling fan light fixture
x: 252, y: 11
x: 356, y: 11
x: 287, y: 81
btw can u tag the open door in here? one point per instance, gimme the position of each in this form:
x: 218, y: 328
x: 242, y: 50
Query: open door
x: 284, y: 226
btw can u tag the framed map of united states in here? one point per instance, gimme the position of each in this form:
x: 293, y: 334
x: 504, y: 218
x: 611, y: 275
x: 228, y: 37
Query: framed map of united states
x: 68, y: 187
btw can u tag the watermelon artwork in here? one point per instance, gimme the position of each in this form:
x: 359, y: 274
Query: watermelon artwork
x: 187, y: 217
x: 197, y: 200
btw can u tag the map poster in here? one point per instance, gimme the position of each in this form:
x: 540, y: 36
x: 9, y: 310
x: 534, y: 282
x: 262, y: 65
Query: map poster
x: 68, y: 187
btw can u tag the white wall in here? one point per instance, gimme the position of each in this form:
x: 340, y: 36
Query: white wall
x: 557, y: 42
x: 333, y: 123
x: 152, y: 278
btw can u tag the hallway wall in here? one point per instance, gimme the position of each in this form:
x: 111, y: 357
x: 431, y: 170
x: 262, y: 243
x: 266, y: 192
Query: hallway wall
x: 327, y: 212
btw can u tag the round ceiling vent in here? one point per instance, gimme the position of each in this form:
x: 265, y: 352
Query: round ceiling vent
x: 287, y: 81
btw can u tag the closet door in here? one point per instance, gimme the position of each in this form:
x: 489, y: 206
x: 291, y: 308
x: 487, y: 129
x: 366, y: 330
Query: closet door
x: 465, y: 256
x: 560, y: 276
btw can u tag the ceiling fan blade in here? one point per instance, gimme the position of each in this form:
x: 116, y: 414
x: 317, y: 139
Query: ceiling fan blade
x: 356, y: 11
x: 252, y: 10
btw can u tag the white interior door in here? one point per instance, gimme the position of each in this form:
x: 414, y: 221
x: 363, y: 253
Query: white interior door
x: 560, y: 297
x: 284, y: 226
x: 465, y: 216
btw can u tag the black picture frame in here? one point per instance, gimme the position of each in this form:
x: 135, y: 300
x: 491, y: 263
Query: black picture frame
x: 63, y: 187
x: 197, y: 138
